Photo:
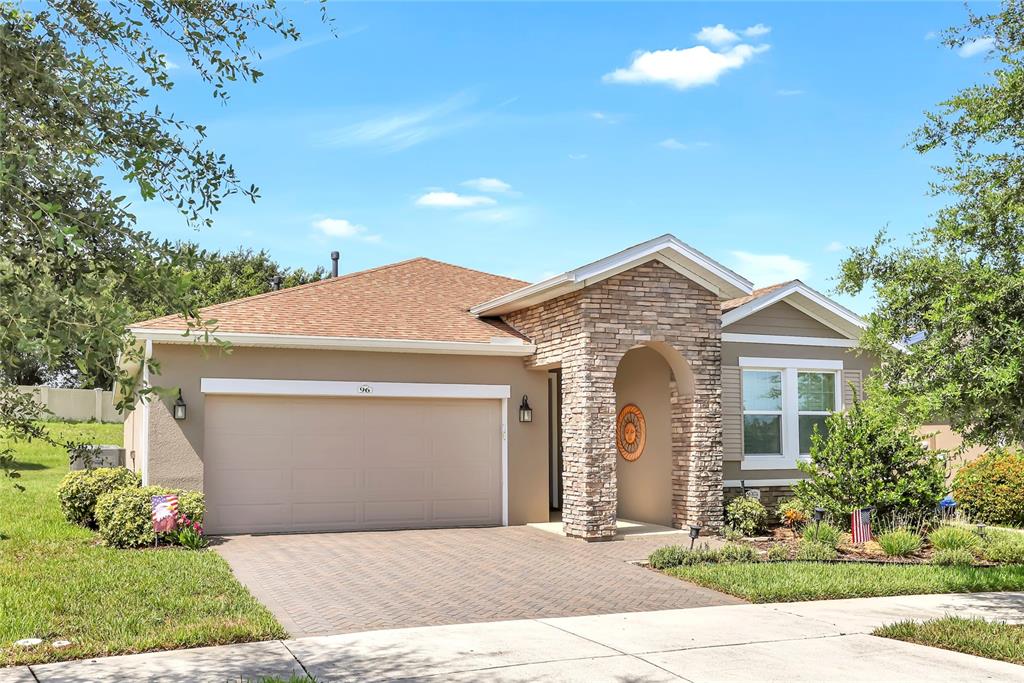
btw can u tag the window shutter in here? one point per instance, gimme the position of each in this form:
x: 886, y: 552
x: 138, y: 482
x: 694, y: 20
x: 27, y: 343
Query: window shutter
x: 851, y: 384
x: 732, y: 413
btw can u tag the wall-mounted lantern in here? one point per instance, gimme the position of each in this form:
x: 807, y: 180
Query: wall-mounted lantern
x: 179, y: 407
x: 525, y: 411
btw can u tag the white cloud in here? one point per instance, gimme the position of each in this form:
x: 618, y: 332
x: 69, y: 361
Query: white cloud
x: 605, y: 117
x: 683, y: 68
x: 452, y: 200
x: 673, y: 144
x: 931, y: 35
x: 768, y: 269
x: 488, y: 185
x: 757, y: 30
x: 976, y: 47
x: 400, y: 130
x: 716, y: 35
x: 339, y: 227
x: 835, y: 245
x: 783, y: 92
x: 578, y: 157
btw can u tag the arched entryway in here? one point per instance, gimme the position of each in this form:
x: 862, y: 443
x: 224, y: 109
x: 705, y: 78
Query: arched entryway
x: 647, y: 393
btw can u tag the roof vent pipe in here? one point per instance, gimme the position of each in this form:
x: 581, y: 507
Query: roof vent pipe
x: 334, y: 263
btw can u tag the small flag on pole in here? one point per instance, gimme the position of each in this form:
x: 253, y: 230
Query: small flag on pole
x: 165, y: 512
x: 860, y: 525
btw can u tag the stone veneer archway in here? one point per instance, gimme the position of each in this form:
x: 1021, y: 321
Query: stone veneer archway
x: 586, y: 333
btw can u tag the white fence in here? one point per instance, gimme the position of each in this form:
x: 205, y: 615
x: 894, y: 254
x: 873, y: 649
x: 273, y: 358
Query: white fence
x: 76, y: 404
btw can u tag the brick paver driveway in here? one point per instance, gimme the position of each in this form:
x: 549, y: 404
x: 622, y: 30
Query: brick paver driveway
x: 336, y: 583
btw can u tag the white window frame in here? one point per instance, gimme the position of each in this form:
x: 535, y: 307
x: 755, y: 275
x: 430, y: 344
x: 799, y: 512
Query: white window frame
x: 789, y: 367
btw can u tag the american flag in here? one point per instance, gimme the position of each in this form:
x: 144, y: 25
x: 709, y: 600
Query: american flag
x: 860, y: 524
x: 165, y: 509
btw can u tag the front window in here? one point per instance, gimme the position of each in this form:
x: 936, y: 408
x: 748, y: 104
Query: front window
x: 816, y: 399
x: 782, y: 407
x: 762, y: 412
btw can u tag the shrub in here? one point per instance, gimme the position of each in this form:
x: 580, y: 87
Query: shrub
x: 736, y: 552
x: 80, y: 489
x: 953, y: 557
x: 732, y: 533
x: 870, y: 455
x: 816, y: 552
x: 1005, y: 548
x: 991, y: 488
x: 746, y: 515
x: 778, y: 552
x: 823, y: 533
x: 951, y: 537
x: 678, y: 556
x: 899, y: 542
x: 125, y: 516
x: 793, y: 514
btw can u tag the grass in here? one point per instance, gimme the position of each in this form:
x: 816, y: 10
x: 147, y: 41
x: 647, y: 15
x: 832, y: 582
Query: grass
x: 792, y: 581
x: 56, y: 582
x: 994, y: 640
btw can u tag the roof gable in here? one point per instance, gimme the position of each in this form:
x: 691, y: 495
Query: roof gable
x: 667, y: 249
x: 801, y: 297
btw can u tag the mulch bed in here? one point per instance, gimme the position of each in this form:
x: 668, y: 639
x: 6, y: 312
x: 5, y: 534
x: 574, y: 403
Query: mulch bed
x: 866, y: 553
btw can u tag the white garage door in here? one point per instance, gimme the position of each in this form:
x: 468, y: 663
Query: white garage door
x: 340, y: 464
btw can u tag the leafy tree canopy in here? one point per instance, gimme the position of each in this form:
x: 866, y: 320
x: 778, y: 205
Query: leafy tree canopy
x: 949, y: 322
x: 77, y: 84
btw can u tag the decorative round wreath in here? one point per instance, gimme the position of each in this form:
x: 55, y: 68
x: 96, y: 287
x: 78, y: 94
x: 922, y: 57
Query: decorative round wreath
x: 630, y: 432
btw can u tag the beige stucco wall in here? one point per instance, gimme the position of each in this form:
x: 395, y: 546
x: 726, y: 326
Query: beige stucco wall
x: 645, y: 485
x: 177, y: 447
x: 942, y: 437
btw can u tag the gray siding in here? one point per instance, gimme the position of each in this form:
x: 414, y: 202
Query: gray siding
x: 852, y: 384
x: 781, y: 318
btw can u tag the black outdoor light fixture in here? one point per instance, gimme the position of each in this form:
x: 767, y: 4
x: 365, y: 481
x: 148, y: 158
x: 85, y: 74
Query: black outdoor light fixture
x: 819, y: 514
x: 525, y: 411
x: 694, y: 534
x: 179, y: 407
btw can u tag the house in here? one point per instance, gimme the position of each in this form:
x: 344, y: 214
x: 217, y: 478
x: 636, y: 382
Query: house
x: 646, y: 385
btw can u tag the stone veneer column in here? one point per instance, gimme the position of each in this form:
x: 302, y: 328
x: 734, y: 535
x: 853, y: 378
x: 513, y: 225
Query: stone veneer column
x: 586, y: 333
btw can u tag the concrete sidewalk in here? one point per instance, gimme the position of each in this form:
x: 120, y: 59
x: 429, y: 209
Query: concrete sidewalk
x: 806, y: 641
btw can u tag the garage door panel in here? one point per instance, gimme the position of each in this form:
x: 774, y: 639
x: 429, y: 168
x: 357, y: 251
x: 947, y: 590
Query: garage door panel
x: 236, y: 449
x: 455, y: 482
x: 389, y: 513
x: 397, y: 483
x: 254, y: 415
x: 323, y: 464
x: 246, y: 486
x: 451, y: 511
x: 327, y: 515
x: 325, y: 485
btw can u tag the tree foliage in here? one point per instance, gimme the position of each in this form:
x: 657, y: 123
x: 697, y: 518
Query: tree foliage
x: 871, y: 456
x: 77, y: 85
x: 949, y: 322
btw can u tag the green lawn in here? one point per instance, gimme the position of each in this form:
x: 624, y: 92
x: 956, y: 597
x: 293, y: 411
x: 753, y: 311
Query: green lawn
x: 973, y: 636
x: 56, y: 582
x: 792, y: 581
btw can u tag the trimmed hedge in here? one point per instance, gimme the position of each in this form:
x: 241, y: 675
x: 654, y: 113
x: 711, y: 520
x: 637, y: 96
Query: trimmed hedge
x: 125, y: 516
x: 746, y: 515
x: 991, y: 488
x: 80, y: 489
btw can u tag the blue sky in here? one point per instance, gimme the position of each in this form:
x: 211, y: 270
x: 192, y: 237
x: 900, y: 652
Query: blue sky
x: 526, y: 139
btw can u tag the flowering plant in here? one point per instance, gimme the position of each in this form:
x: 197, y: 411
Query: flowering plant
x: 189, y: 533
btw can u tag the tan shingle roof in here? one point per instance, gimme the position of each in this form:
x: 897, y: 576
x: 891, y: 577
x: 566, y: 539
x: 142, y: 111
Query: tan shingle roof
x: 417, y: 299
x: 756, y: 294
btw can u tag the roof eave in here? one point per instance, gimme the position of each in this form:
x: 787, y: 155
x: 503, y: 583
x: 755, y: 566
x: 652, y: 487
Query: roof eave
x: 498, y: 347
